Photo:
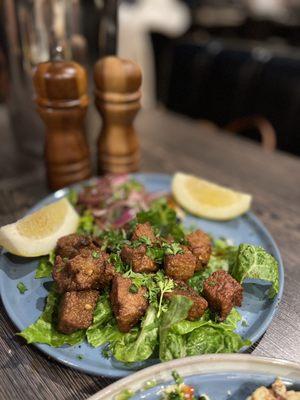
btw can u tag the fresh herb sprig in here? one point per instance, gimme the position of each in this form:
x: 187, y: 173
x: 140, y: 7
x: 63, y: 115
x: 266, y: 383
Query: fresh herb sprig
x: 172, y: 248
x: 163, y: 218
x: 157, y: 285
x: 113, y: 240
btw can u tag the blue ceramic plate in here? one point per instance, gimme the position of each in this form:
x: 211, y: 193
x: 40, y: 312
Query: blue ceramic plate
x: 221, y: 377
x: 257, y: 310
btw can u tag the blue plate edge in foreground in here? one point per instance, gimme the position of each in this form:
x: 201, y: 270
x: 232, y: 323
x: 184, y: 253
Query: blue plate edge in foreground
x: 214, y: 364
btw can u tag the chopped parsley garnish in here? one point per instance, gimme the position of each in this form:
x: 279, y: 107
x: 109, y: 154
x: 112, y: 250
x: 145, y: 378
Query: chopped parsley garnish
x: 177, y: 378
x: 21, y: 287
x: 133, y: 288
x: 156, y: 254
x: 172, y: 248
x: 157, y: 285
x: 142, y: 240
x: 163, y: 218
x: 113, y: 240
x: 115, y: 259
x: 79, y: 357
x: 126, y: 394
x: 106, y: 351
x: 150, y: 384
x: 95, y: 254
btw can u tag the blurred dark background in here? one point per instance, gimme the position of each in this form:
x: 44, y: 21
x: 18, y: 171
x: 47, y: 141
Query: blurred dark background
x: 236, y: 66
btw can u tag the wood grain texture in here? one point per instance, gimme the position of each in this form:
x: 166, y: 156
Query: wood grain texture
x: 117, y: 98
x: 169, y: 143
x: 62, y: 100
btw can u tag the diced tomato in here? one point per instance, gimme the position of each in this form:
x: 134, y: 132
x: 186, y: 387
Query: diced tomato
x: 188, y: 392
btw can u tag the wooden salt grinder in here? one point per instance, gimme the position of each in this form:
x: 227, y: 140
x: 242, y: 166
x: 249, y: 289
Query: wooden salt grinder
x: 61, y: 97
x: 118, y: 101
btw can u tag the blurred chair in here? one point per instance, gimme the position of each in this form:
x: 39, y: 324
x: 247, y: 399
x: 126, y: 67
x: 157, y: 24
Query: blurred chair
x: 262, y: 125
x: 256, y: 86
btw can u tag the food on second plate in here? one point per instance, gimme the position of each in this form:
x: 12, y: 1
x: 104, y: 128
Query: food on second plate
x: 278, y: 391
x: 208, y: 200
x: 37, y: 234
x: 148, y: 287
x: 181, y: 391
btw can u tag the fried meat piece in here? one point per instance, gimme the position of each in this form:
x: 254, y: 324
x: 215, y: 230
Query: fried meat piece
x: 87, y: 270
x: 199, y: 305
x: 71, y: 245
x: 76, y: 310
x: 223, y: 293
x: 200, y: 245
x: 138, y: 259
x: 128, y: 306
x: 180, y: 266
x: 144, y: 230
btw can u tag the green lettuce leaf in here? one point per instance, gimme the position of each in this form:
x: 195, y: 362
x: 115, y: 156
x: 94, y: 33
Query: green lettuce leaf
x: 253, y: 262
x: 230, y: 324
x: 44, y: 331
x: 138, y: 346
x: 212, y: 340
x: 163, y: 218
x: 108, y: 333
x: 177, y: 311
x: 45, y: 267
x: 223, y: 256
x: 101, y: 328
x: 174, y: 346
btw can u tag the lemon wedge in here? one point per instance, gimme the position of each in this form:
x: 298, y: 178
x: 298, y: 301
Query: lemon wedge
x: 208, y: 200
x: 37, y: 234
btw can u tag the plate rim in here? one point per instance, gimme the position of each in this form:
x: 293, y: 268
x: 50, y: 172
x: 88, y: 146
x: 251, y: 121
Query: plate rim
x: 207, y: 361
x: 117, y: 373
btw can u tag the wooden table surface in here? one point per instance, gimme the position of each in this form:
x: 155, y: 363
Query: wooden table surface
x: 169, y: 143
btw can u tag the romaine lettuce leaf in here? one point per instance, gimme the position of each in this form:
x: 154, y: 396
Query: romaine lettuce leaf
x: 177, y: 311
x: 103, y: 328
x: 230, y: 324
x: 174, y: 346
x: 43, y: 330
x: 212, y: 340
x: 138, y: 346
x: 45, y: 267
x: 253, y: 262
x: 223, y: 256
x: 106, y: 333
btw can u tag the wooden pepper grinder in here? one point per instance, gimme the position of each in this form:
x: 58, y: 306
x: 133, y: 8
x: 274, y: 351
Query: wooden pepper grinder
x: 118, y: 96
x: 61, y: 97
